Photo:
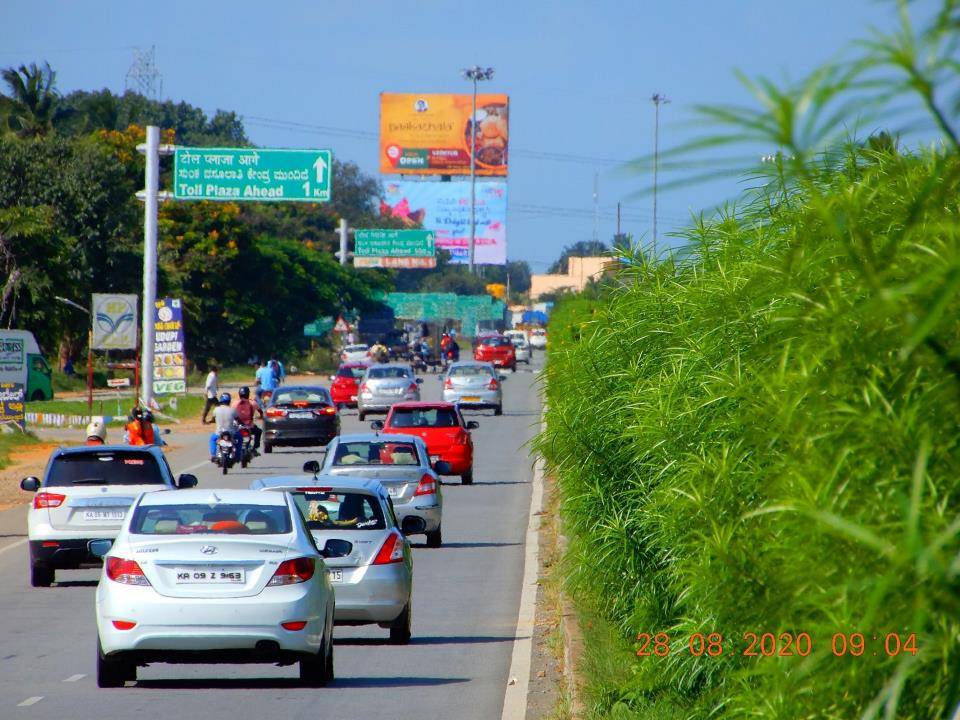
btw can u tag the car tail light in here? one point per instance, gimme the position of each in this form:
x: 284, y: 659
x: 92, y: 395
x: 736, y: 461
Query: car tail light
x: 462, y: 438
x: 448, y: 384
x: 328, y: 410
x: 293, y: 571
x: 126, y: 572
x: 493, y: 384
x: 294, y: 625
x: 426, y: 486
x: 276, y: 412
x: 124, y: 624
x: 47, y: 500
x: 391, y: 551
x: 244, y: 432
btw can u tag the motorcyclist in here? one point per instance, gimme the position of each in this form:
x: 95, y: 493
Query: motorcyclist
x: 379, y: 352
x: 246, y: 411
x: 96, y: 433
x: 226, y: 419
x: 148, y: 419
x: 138, y: 432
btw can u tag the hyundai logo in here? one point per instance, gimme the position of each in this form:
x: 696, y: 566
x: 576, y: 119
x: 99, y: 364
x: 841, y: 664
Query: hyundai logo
x: 208, y: 549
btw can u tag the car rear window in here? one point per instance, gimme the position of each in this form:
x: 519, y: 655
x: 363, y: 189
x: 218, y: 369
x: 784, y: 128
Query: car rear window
x: 325, y: 510
x: 388, y: 372
x: 470, y: 371
x: 218, y: 519
x: 105, y: 468
x: 424, y: 417
x: 306, y: 395
x: 351, y: 372
x: 375, y: 453
x: 495, y: 342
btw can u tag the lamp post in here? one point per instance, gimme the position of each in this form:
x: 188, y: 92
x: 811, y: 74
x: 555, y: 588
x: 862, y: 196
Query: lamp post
x: 71, y: 303
x: 658, y: 99
x: 475, y: 74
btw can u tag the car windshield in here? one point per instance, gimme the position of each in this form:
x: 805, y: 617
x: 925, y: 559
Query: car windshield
x: 423, y: 417
x: 301, y: 395
x: 375, y: 453
x: 324, y: 510
x: 217, y: 519
x: 387, y: 372
x: 105, y: 468
x: 470, y: 371
x: 351, y: 372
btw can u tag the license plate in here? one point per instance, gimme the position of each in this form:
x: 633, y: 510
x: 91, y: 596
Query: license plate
x: 335, y: 575
x: 99, y: 515
x: 210, y: 576
x: 470, y: 398
x: 305, y: 415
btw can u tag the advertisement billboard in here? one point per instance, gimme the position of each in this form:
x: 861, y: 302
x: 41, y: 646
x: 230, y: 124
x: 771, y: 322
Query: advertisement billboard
x: 169, y: 355
x: 444, y: 207
x: 430, y: 134
x: 12, y: 398
x: 114, y: 322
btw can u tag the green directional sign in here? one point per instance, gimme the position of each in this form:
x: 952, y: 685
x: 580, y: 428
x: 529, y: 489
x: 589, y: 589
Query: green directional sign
x: 393, y: 243
x: 319, y: 327
x: 252, y: 174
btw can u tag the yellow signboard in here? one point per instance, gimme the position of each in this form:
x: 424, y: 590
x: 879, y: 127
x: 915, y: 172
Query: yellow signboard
x: 430, y: 134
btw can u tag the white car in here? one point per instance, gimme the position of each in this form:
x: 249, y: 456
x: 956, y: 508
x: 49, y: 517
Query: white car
x: 213, y: 576
x: 355, y: 353
x: 538, y: 338
x: 84, y: 496
x: 520, y: 345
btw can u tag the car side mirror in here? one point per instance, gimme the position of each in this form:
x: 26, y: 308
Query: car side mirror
x: 419, y: 381
x: 311, y: 466
x: 503, y: 377
x: 99, y: 548
x: 442, y: 467
x: 413, y: 525
x: 165, y: 431
x: 335, y: 547
x: 30, y: 484
x: 187, y: 481
x: 376, y: 425
x: 472, y: 425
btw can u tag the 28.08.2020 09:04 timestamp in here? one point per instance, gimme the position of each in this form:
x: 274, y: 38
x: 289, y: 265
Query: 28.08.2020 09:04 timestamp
x: 768, y: 644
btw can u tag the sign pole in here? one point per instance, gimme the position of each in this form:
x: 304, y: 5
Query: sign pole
x: 152, y: 186
x: 90, y: 371
x: 344, y: 232
x: 473, y: 176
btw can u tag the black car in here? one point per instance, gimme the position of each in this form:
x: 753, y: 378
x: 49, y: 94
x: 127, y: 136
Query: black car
x: 302, y: 415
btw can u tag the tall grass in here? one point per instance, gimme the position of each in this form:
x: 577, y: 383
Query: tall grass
x: 764, y: 437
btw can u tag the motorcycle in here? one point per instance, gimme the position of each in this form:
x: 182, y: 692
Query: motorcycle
x: 225, y: 455
x: 246, y: 447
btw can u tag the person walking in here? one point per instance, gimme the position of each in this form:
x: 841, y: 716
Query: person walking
x: 211, y: 390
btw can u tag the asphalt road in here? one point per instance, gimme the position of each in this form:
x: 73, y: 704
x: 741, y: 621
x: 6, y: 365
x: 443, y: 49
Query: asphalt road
x: 466, y: 597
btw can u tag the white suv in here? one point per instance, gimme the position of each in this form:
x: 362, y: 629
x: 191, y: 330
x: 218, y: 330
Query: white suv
x: 84, y: 496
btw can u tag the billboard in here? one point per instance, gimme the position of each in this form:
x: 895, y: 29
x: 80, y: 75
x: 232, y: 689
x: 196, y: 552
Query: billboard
x: 430, y: 134
x: 169, y: 357
x: 444, y: 207
x: 12, y: 398
x: 114, y: 322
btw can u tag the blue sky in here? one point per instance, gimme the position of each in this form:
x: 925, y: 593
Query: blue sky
x: 580, y: 76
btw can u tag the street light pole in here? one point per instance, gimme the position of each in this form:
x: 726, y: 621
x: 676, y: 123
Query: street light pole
x: 476, y: 74
x: 658, y: 100
x: 89, y: 349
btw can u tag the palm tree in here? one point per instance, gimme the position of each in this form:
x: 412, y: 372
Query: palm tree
x: 32, y: 106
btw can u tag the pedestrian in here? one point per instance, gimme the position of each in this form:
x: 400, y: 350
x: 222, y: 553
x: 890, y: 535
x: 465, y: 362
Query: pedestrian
x: 68, y: 368
x: 211, y: 390
x: 278, y: 370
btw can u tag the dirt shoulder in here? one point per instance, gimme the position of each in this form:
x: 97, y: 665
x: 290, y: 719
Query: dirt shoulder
x: 25, y: 460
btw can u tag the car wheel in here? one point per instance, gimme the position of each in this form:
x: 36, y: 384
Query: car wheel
x: 467, y: 477
x: 400, y: 628
x: 513, y: 368
x: 361, y: 416
x: 113, y: 672
x: 498, y: 410
x: 38, y: 395
x: 435, y: 538
x: 318, y: 671
x: 41, y: 576
x: 244, y: 462
x: 224, y: 468
x: 267, y: 447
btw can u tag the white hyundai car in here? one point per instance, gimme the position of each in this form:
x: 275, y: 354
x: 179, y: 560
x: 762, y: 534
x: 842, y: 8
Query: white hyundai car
x: 213, y: 576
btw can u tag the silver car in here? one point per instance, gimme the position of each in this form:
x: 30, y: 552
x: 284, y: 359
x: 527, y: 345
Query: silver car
x: 473, y: 384
x: 368, y: 559
x: 402, y: 464
x: 384, y: 385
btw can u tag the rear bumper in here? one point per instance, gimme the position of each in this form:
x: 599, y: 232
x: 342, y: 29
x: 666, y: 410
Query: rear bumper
x: 64, y: 554
x: 487, y: 398
x: 372, y: 594
x: 382, y: 403
x: 460, y: 459
x: 317, y: 436
x: 431, y: 514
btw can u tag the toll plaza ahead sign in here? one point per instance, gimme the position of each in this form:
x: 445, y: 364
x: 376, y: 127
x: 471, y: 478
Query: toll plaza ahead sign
x: 252, y: 174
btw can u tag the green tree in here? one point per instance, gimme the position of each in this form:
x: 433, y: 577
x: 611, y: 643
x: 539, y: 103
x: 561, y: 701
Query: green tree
x: 582, y: 248
x: 32, y: 107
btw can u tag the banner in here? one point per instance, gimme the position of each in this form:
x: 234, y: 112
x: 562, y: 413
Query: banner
x: 114, y: 322
x: 430, y: 134
x: 169, y: 356
x: 12, y: 397
x: 444, y: 207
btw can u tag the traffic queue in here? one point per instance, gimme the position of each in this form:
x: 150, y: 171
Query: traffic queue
x: 262, y: 575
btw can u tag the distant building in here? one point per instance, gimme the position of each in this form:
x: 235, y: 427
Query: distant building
x: 580, y: 271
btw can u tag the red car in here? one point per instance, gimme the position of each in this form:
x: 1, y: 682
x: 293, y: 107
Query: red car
x: 497, y: 350
x: 442, y: 428
x: 345, y: 385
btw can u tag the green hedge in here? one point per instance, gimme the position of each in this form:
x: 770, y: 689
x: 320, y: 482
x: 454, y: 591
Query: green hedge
x: 763, y: 438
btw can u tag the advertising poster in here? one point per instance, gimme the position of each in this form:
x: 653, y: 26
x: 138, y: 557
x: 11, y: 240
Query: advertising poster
x: 114, y: 322
x: 444, y: 207
x: 12, y: 397
x: 430, y: 134
x: 169, y: 355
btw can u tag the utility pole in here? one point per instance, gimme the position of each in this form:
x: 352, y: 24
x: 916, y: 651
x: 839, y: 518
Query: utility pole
x: 658, y: 100
x: 476, y: 74
x: 596, y: 211
x: 343, y: 241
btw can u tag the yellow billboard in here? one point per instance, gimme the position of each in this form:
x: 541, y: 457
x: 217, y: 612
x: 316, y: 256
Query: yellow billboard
x: 430, y: 134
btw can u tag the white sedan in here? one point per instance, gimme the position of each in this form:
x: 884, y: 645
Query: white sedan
x: 355, y: 353
x: 213, y: 576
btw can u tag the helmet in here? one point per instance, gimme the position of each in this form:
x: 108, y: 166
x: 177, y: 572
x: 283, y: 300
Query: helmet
x: 147, y: 416
x: 244, y: 392
x: 96, y: 428
x: 225, y: 399
x: 136, y: 413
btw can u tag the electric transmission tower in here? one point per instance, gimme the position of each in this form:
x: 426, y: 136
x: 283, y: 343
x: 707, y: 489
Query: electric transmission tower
x: 143, y: 76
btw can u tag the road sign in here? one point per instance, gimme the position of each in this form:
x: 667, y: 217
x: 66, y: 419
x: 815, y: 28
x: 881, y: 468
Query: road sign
x: 393, y: 243
x: 252, y: 174
x: 318, y: 328
x: 118, y: 382
x: 399, y: 263
x: 341, y: 326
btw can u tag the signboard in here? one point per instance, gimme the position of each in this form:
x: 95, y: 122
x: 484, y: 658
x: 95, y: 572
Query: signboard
x: 397, y: 263
x: 444, y: 207
x: 12, y: 406
x: 430, y: 134
x: 341, y: 326
x: 256, y: 174
x: 393, y: 243
x: 319, y: 327
x: 118, y: 382
x: 169, y: 356
x: 114, y: 322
